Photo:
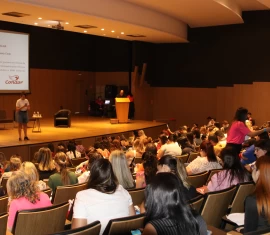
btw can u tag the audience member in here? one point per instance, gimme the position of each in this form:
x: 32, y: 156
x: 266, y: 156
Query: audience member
x: 14, y: 165
x: 72, y: 152
x: 170, y: 148
x: 104, y: 198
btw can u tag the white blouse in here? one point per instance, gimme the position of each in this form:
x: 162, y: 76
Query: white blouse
x: 201, y: 164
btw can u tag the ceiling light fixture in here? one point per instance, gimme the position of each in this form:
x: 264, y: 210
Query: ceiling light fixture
x: 67, y: 23
x: 112, y: 31
x: 39, y: 18
x: 36, y: 23
x: 122, y: 33
x: 102, y: 29
x: 49, y: 25
x: 85, y: 31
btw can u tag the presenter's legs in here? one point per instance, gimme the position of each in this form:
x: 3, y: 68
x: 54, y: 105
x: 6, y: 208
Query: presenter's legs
x: 25, y: 131
x: 20, y: 131
x: 22, y: 120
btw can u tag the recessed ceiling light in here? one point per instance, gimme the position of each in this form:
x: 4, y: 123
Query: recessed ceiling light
x: 112, y: 31
x: 85, y: 31
x: 39, y: 18
x: 67, y: 23
x: 122, y: 33
x: 36, y: 23
x: 102, y: 29
x: 49, y: 25
x: 104, y: 34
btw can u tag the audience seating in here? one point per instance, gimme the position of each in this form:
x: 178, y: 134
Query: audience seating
x: 265, y: 231
x: 41, y: 221
x: 183, y: 158
x: 192, y: 156
x: 215, y: 205
x: 67, y: 192
x: 124, y: 225
x: 4, y: 184
x: 48, y: 191
x: 211, y: 173
x: 196, y: 203
x: 137, y: 196
x: 62, y: 118
x: 3, y: 223
x: 4, y: 120
x: 198, y: 180
x: 77, y: 161
x: 3, y: 204
x: 90, y: 229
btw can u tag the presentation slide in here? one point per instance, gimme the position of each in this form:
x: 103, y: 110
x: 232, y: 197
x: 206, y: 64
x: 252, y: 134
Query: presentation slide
x: 14, y: 62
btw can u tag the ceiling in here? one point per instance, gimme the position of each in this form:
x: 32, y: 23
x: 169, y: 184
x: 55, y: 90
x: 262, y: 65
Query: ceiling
x: 158, y: 21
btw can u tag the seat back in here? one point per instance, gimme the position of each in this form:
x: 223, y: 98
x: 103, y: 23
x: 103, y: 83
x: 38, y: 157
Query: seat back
x: 137, y: 196
x: 3, y: 223
x: 67, y: 192
x: 211, y: 173
x: 3, y: 204
x: 192, y: 156
x: 124, y: 225
x: 48, y: 191
x: 198, y: 180
x: 183, y: 158
x: 196, y: 203
x: 90, y: 229
x: 77, y: 161
x: 215, y: 205
x: 63, y: 113
x: 41, y: 221
x: 243, y: 190
x: 4, y: 184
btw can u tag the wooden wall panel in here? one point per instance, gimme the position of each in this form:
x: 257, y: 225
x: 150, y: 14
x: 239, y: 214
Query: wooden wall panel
x: 225, y: 106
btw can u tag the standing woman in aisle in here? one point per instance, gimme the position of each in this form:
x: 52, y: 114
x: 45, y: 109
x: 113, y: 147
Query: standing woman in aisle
x: 239, y: 130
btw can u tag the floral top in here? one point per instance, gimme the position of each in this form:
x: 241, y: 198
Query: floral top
x: 201, y: 164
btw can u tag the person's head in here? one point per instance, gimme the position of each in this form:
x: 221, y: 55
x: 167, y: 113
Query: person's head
x: 190, y: 137
x: 203, y: 130
x: 183, y: 142
x: 225, y: 123
x: 61, y: 163
x: 20, y: 185
x: 171, y: 164
x: 249, y: 115
x: 262, y: 136
x: 141, y: 133
x: 30, y: 169
x: 241, y: 114
x: 262, y: 190
x: 102, y: 177
x: 45, y: 161
x: 151, y: 147
x: 163, y: 139
x: 51, y: 147
x: 92, y: 157
x: 15, y: 163
x: 213, y: 139
x: 121, y: 92
x: 149, y: 161
x: 172, y: 137
x: 165, y: 199
x: 115, y: 145
x: 262, y: 147
x: 23, y: 95
x: 207, y: 150
x: 219, y: 134
x: 121, y: 169
x: 196, y: 134
x: 138, y: 146
x: 249, y: 142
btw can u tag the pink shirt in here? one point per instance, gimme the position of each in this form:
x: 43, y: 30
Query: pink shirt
x: 237, y: 133
x: 218, y: 182
x: 23, y: 204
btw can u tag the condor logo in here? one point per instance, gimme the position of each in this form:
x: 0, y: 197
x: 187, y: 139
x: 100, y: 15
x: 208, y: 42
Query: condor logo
x: 14, y: 80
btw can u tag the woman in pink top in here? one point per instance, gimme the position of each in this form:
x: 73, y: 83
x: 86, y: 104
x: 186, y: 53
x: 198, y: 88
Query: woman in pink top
x: 239, y: 130
x: 24, y: 195
x: 233, y: 173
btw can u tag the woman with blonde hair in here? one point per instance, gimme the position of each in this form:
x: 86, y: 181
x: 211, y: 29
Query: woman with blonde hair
x: 63, y: 176
x: 24, y: 195
x: 136, y: 152
x: 257, y: 205
x: 121, y: 169
x: 14, y: 165
x: 45, y: 164
x: 30, y: 169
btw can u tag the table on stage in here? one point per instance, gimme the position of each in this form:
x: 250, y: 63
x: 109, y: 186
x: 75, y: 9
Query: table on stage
x: 36, y: 125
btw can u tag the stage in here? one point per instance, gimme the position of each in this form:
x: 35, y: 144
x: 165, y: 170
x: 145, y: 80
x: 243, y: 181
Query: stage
x: 84, y: 130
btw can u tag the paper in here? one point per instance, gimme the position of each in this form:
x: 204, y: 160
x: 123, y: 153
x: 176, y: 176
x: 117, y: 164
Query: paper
x: 238, y: 218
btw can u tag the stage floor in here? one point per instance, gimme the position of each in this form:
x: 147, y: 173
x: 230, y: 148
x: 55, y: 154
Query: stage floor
x: 81, y: 127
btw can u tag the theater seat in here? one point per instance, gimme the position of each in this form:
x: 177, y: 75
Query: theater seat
x: 62, y: 118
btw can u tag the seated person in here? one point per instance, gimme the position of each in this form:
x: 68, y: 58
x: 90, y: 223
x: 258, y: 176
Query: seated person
x: 14, y: 165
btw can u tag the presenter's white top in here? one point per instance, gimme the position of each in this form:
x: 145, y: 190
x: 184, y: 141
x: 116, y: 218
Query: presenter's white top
x: 20, y: 103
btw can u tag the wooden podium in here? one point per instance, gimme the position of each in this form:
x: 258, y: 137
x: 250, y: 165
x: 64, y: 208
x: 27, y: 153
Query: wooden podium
x: 122, y: 107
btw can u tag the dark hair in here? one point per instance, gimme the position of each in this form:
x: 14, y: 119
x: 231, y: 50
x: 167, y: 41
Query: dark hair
x: 92, y: 157
x: 190, y: 137
x: 249, y: 113
x: 71, y: 147
x: 172, y: 137
x: 249, y: 142
x: 232, y: 166
x: 165, y: 199
x: 183, y: 142
x: 241, y: 114
x: 197, y: 134
x: 102, y: 177
x: 51, y: 147
x: 151, y: 147
x: 264, y: 136
x: 219, y: 134
x: 163, y: 139
x: 217, y: 124
x: 150, y: 166
x: 209, y: 150
x: 264, y: 145
x: 203, y: 137
x: 213, y: 138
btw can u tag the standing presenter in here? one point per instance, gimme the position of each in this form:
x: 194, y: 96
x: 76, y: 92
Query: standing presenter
x: 22, y: 107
